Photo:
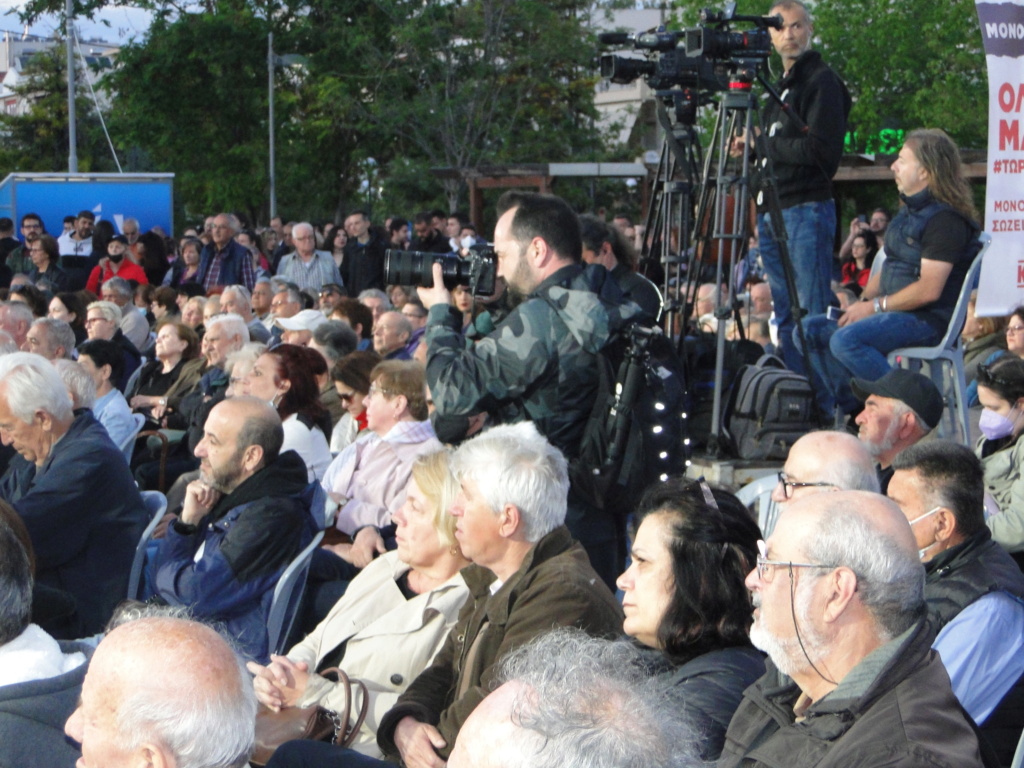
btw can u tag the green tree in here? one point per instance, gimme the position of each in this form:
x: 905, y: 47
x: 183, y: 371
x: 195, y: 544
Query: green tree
x: 37, y: 141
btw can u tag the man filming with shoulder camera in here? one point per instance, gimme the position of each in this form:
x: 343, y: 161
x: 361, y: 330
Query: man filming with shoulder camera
x: 539, y: 364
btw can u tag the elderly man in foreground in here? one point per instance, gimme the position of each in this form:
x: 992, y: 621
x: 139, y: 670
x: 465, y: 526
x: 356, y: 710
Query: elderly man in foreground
x: 839, y: 608
x: 164, y: 692
x: 72, y: 488
x: 528, y: 576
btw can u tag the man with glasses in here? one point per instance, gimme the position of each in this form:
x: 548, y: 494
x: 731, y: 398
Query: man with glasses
x: 307, y: 267
x: 18, y: 259
x: 974, y: 589
x: 839, y: 608
x: 825, y: 461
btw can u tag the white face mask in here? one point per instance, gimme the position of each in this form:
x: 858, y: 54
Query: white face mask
x: 929, y: 513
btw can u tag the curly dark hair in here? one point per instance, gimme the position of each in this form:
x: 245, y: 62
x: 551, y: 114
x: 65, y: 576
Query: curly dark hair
x: 712, y: 551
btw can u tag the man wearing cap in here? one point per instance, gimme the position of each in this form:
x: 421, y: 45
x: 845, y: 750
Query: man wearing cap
x: 78, y: 242
x: 899, y: 409
x: 298, y: 329
x: 390, y: 336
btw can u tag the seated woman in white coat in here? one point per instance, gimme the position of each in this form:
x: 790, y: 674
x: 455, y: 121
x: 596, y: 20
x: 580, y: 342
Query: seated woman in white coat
x: 392, y: 620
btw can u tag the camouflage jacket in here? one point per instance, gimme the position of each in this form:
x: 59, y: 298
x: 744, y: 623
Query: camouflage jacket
x: 537, y: 365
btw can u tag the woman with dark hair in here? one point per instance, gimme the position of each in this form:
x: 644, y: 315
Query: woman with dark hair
x: 70, y: 307
x: 685, y: 598
x: 335, y: 239
x: 351, y: 376
x: 857, y: 269
x: 165, y: 380
x: 1001, y: 392
x: 45, y: 253
x: 284, y: 377
x: 185, y: 268
x: 163, y: 303
x: 152, y: 256
x: 35, y: 298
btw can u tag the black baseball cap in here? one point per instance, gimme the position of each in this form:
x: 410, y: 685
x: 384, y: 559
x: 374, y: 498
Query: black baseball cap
x: 914, y: 389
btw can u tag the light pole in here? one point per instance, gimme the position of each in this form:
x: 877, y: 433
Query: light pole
x: 270, y: 101
x: 72, y: 128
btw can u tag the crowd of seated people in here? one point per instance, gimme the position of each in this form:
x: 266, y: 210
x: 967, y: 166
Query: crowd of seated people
x: 440, y: 564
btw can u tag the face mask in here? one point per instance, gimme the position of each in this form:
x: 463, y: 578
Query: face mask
x: 116, y: 259
x: 993, y: 426
x: 921, y: 552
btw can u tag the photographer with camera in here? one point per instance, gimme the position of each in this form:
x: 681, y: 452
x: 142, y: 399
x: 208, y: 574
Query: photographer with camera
x: 805, y: 158
x: 539, y: 364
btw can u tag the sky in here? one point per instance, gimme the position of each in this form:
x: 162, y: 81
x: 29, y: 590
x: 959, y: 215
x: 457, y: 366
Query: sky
x: 125, y: 23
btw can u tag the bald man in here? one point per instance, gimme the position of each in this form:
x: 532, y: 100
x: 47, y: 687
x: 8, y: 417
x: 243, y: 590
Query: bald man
x: 839, y: 608
x: 164, y: 692
x: 825, y: 461
x: 242, y: 522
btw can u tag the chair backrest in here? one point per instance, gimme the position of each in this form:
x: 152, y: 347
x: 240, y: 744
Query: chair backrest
x: 128, y: 446
x: 287, y: 596
x: 959, y: 317
x: 876, y: 265
x: 760, y: 491
x: 156, y: 506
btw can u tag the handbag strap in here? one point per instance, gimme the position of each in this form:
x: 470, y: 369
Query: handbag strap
x: 344, y: 735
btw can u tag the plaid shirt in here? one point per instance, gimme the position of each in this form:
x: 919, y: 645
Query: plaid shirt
x: 320, y: 270
x: 246, y: 272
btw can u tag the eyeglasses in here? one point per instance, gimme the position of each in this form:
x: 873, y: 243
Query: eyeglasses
x: 375, y: 391
x: 766, y: 567
x: 31, y: 226
x: 347, y: 397
x: 788, y: 485
x: 1014, y: 329
x: 91, y: 320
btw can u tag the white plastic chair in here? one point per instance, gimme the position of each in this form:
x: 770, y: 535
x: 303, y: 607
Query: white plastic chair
x: 288, y: 595
x: 760, y: 492
x: 949, y: 351
x: 156, y: 505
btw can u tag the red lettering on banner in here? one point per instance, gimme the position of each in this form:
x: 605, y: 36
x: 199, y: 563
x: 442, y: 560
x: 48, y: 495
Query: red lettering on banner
x: 1009, y: 133
x: 1009, y: 101
x: 1020, y: 274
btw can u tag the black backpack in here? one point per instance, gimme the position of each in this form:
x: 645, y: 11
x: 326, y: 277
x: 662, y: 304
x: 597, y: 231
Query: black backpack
x: 635, y: 434
x: 768, y: 410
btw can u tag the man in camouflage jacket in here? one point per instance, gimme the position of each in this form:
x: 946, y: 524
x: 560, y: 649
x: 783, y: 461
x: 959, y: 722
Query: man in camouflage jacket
x: 539, y: 364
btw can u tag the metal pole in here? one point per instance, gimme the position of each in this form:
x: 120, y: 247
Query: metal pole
x: 270, y: 101
x: 72, y: 128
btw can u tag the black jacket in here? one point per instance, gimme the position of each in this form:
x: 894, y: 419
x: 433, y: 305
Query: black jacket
x: 805, y: 163
x: 907, y: 717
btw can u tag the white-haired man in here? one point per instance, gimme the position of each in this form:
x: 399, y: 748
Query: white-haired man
x: 71, y: 487
x: 15, y: 320
x: 236, y: 299
x: 307, y: 267
x: 51, y: 338
x: 164, y: 692
x: 103, y: 321
x: 825, y: 461
x: 225, y: 261
x: 839, y: 608
x: 528, y: 576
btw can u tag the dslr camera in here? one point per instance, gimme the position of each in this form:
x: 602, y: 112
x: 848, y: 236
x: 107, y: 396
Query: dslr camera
x: 478, y: 271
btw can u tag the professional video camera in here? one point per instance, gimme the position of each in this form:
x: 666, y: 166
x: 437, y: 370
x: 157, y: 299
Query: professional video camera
x: 666, y: 64
x: 717, y: 42
x: 478, y: 271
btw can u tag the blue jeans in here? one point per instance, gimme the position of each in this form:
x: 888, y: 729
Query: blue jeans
x: 859, y: 350
x: 810, y: 231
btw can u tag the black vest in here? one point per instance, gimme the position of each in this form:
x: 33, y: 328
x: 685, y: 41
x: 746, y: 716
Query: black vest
x: 903, y: 240
x: 953, y: 580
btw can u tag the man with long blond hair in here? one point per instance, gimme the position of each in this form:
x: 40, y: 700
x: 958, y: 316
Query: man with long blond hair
x: 930, y: 246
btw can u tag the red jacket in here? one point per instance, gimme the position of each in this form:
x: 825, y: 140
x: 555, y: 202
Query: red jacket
x: 102, y: 272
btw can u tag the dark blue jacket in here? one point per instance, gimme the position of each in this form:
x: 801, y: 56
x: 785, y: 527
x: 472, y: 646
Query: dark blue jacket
x: 250, y: 537
x: 84, y: 516
x: 231, y: 267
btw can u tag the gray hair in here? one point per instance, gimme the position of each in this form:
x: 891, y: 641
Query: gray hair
x: 336, y: 339
x: 376, y: 293
x: 890, y: 579
x: 900, y: 408
x: 120, y: 286
x: 294, y: 294
x: 231, y: 324
x: 515, y: 464
x: 240, y: 291
x: 247, y: 355
x: 202, y: 725
x: 59, y: 333
x: 18, y: 312
x: 110, y: 310
x: 853, y: 469
x: 33, y: 385
x: 7, y: 344
x: 79, y: 384
x: 592, y: 703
